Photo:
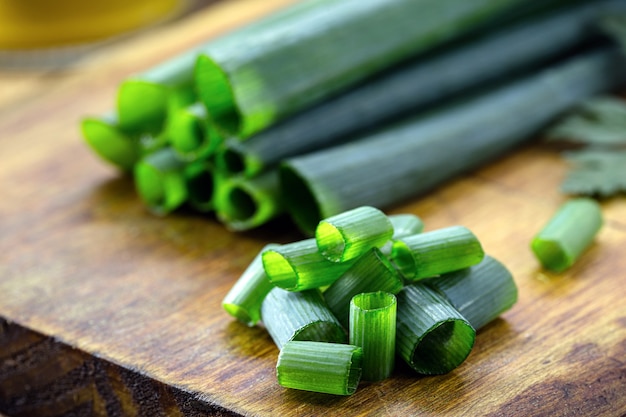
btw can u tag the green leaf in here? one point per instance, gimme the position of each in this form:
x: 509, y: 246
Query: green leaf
x: 600, y: 121
x: 596, y: 172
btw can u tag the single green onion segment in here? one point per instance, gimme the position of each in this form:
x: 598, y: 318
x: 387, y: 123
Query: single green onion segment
x: 403, y: 225
x: 300, y: 315
x: 244, y: 299
x: 347, y: 235
x: 160, y: 181
x: 142, y: 106
x: 480, y: 293
x: 431, y: 335
x: 299, y: 266
x: 201, y: 185
x: 105, y: 138
x: 370, y: 273
x: 329, y: 368
x: 244, y: 203
x: 567, y: 234
x: 373, y: 328
x: 433, y: 253
x: 331, y: 45
x: 416, y: 154
x: 234, y: 159
x: 191, y: 134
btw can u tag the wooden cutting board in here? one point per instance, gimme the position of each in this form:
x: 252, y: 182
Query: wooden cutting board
x: 106, y: 309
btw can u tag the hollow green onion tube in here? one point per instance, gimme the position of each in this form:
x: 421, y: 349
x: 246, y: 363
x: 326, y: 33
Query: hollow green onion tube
x: 299, y: 316
x: 270, y: 73
x: 403, y: 225
x: 110, y: 143
x: 434, y: 253
x: 144, y: 100
x: 373, y: 328
x: 370, y: 273
x: 245, y: 298
x: 347, y: 235
x: 160, y: 181
x: 420, y: 82
x: 299, y: 266
x: 419, y: 153
x: 567, y: 234
x: 431, y: 336
x: 480, y: 293
x: 201, y: 182
x: 245, y: 203
x: 191, y: 134
x: 329, y: 368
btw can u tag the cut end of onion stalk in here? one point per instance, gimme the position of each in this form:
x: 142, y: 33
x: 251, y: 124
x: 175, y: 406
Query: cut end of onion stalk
x: 142, y: 106
x: 201, y: 181
x: 234, y: 159
x: 160, y: 182
x: 216, y: 93
x: 110, y: 144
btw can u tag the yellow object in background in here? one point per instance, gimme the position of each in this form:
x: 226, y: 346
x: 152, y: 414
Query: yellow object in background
x: 36, y: 24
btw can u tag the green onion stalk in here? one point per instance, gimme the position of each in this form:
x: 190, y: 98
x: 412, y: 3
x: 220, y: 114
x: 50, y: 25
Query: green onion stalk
x: 413, y: 156
x: 420, y: 82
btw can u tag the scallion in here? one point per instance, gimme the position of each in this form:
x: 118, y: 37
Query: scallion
x: 421, y: 152
x: 567, y: 234
x: 201, y: 182
x: 300, y: 315
x: 436, y: 252
x: 346, y: 235
x: 245, y: 298
x: 373, y: 328
x: 109, y: 142
x: 191, y: 134
x: 431, y: 336
x: 329, y: 368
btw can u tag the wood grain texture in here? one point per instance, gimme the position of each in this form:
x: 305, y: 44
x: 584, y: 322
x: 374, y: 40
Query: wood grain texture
x: 108, y: 310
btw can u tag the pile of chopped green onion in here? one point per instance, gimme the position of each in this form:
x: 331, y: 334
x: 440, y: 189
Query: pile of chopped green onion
x: 368, y: 288
x: 262, y: 121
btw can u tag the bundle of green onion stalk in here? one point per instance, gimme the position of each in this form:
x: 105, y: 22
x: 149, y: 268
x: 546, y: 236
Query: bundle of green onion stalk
x: 292, y: 114
x: 367, y: 288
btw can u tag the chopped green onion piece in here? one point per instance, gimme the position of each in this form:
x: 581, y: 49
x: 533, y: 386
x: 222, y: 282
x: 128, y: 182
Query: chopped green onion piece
x: 403, y: 225
x: 347, y: 235
x: 299, y: 266
x: 329, y: 368
x: 370, y: 273
x: 437, y: 252
x: 244, y: 299
x: 431, y: 336
x: 191, y: 134
x: 107, y: 140
x: 244, y: 203
x: 160, y: 181
x: 201, y: 184
x: 480, y: 293
x: 373, y: 328
x: 300, y: 315
x: 567, y: 234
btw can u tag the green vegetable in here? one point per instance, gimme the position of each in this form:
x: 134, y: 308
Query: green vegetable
x: 437, y: 252
x: 373, y: 328
x: 106, y: 139
x: 244, y: 299
x: 320, y: 47
x: 432, y: 337
x: 567, y: 234
x: 415, y: 155
x: 420, y: 82
x: 480, y: 293
x: 160, y: 181
x: 191, y: 134
x: 299, y: 266
x: 347, y: 235
x: 201, y: 183
x: 370, y: 273
x: 595, y: 172
x: 329, y: 368
x: 299, y: 316
x: 244, y: 203
x: 403, y: 225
